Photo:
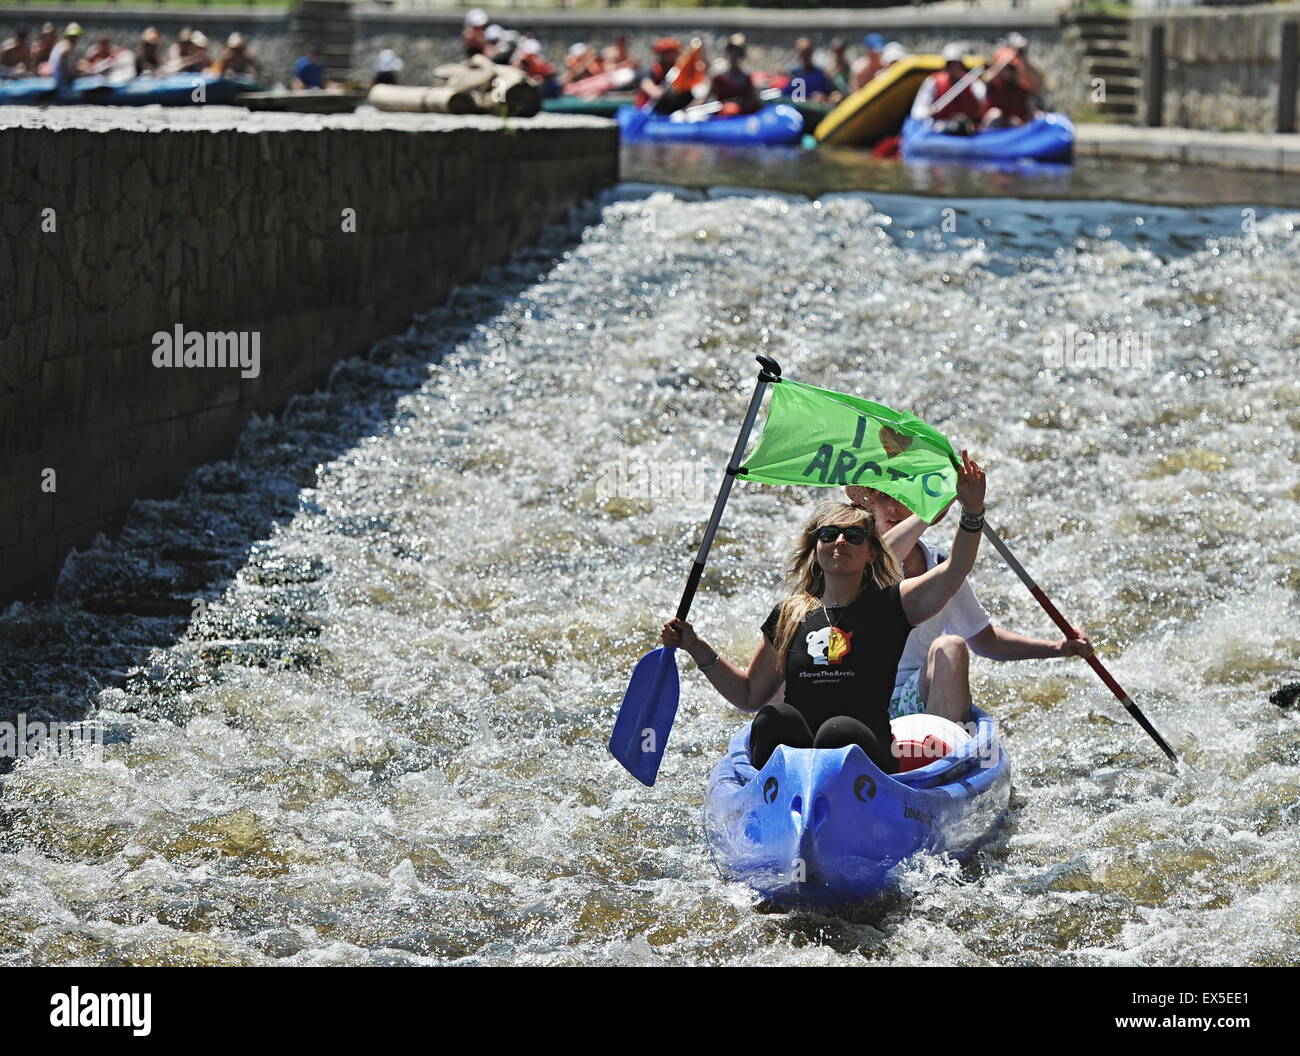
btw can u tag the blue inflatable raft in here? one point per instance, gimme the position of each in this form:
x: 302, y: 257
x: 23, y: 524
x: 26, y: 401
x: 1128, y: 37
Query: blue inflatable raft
x: 773, y: 125
x: 178, y: 89
x: 1046, y: 138
x: 826, y: 826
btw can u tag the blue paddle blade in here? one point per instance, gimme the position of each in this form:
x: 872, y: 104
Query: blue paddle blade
x: 649, y: 707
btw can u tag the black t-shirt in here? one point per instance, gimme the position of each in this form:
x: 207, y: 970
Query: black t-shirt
x: 847, y: 669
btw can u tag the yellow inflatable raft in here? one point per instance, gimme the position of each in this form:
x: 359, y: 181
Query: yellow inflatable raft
x: 878, y: 108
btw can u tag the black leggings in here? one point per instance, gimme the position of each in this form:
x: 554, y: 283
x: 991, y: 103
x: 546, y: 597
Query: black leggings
x: 780, y: 723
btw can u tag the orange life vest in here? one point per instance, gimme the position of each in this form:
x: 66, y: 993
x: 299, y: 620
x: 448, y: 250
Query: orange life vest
x: 964, y: 103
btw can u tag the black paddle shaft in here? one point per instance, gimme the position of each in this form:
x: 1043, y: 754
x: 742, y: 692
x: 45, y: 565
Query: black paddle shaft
x: 769, y: 375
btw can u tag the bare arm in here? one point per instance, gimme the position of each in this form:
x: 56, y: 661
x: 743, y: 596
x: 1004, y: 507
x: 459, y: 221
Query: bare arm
x: 927, y: 594
x: 997, y: 643
x: 747, y: 688
x: 903, y: 537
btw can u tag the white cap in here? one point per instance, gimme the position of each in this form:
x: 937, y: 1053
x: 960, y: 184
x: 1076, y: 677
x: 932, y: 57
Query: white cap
x: 954, y: 53
x: 476, y: 17
x: 388, y: 62
x: 893, y: 52
x: 198, y: 39
x: 531, y: 46
x: 577, y: 50
x: 494, y: 32
x: 1017, y: 40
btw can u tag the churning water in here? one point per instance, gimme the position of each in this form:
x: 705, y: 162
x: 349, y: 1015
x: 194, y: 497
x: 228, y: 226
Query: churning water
x: 356, y: 682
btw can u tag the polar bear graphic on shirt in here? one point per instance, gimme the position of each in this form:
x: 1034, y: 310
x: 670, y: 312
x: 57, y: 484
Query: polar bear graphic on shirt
x: 829, y: 645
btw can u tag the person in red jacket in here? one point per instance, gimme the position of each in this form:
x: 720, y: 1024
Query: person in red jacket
x: 1007, y: 103
x: 955, y: 113
x: 667, y: 98
x: 733, y: 87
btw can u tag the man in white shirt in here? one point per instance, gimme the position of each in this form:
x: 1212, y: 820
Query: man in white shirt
x: 934, y: 672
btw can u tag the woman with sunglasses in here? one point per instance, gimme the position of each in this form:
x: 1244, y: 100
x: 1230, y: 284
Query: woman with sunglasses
x: 835, y: 642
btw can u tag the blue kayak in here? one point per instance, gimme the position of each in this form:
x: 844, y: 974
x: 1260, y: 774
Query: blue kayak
x: 826, y: 826
x: 178, y: 89
x: 1046, y: 138
x: 773, y: 125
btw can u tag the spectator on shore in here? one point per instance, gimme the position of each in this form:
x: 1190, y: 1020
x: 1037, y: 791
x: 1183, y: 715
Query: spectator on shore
x: 148, y: 54
x: 870, y: 64
x: 65, y: 67
x: 667, y: 99
x: 529, y: 58
x: 16, y: 55
x: 387, y: 67
x: 808, y: 81
x: 474, y: 37
x: 309, y: 71
x: 236, y: 60
x: 733, y: 87
x: 42, y: 49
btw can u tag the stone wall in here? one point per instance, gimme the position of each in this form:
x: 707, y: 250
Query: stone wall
x: 116, y: 228
x: 1222, y: 66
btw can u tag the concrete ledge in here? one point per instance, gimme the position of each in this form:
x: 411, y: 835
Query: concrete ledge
x: 1266, y: 152
x: 312, y: 236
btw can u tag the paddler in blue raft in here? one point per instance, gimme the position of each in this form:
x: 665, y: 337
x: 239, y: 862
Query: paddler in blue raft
x: 952, y: 101
x: 733, y: 87
x: 835, y: 642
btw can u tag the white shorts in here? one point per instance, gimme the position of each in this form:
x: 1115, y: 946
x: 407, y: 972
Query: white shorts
x: 907, y: 698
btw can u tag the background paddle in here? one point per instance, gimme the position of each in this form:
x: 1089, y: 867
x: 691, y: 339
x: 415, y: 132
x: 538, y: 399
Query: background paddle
x: 702, y: 110
x: 1070, y: 632
x: 961, y: 85
x: 650, y: 703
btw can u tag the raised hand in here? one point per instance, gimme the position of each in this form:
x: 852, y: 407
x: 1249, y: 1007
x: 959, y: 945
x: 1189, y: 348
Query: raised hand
x: 970, y: 484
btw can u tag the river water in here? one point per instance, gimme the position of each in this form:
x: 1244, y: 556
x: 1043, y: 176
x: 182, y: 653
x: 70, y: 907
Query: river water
x: 355, y: 683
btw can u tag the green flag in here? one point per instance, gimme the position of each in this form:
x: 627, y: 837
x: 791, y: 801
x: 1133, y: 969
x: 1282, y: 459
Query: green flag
x: 826, y: 439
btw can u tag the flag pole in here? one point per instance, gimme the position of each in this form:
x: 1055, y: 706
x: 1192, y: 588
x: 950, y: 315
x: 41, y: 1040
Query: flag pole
x: 1070, y: 632
x: 769, y: 375
x: 649, y: 706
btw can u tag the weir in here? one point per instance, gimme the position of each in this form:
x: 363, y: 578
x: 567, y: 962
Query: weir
x: 319, y: 235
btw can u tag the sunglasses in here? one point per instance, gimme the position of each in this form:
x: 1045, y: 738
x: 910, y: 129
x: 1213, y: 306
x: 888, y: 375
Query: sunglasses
x: 855, y: 534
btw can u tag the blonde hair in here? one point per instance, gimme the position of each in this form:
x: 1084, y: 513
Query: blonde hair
x: 807, y: 580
